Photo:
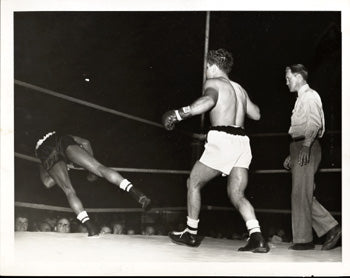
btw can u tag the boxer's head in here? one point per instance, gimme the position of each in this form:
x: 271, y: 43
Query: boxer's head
x: 219, y: 59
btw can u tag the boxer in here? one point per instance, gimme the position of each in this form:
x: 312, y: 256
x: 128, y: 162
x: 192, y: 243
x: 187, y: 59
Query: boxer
x: 58, y: 152
x: 227, y: 150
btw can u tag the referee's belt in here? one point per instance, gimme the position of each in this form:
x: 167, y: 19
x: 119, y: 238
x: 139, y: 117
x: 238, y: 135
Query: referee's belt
x: 297, y: 139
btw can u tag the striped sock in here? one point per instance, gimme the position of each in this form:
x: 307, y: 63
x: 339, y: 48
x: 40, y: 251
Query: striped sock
x: 192, y: 225
x: 125, y: 185
x: 253, y: 226
x: 83, y: 217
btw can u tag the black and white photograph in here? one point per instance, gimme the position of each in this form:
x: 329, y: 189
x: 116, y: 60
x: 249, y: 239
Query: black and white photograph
x: 149, y: 138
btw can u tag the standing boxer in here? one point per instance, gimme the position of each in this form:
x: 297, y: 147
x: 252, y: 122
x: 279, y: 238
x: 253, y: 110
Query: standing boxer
x: 227, y: 150
x: 57, y: 151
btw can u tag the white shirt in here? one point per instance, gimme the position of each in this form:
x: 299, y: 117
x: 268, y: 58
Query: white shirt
x: 307, y: 116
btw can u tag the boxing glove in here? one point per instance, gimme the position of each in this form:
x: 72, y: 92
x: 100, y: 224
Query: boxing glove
x: 171, y: 117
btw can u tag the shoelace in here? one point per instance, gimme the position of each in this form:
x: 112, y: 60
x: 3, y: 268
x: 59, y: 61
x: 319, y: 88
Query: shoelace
x: 181, y: 233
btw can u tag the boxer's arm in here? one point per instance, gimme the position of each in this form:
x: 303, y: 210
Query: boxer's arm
x: 253, y: 111
x: 46, y: 179
x: 84, y: 143
x: 202, y: 104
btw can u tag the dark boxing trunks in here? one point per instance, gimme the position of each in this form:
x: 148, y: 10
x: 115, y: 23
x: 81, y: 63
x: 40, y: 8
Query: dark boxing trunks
x: 52, y: 148
x: 229, y: 129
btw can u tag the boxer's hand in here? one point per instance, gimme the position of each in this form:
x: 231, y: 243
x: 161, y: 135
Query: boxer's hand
x: 169, y: 119
x: 286, y: 163
x: 91, y: 177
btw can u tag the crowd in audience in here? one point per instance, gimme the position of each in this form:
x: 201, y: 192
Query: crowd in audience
x: 71, y: 225
x: 119, y: 226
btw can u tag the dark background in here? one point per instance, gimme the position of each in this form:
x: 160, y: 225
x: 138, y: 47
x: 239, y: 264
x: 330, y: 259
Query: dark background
x: 144, y: 63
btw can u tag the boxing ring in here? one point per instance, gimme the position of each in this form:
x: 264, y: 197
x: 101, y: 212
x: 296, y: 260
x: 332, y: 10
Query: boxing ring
x: 55, y: 253
x: 112, y: 254
x: 51, y: 253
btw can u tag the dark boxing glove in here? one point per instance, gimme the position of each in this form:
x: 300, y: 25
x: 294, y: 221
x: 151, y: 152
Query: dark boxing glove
x: 170, y: 118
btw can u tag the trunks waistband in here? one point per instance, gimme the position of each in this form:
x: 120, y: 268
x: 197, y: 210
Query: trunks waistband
x: 41, y: 141
x: 229, y: 129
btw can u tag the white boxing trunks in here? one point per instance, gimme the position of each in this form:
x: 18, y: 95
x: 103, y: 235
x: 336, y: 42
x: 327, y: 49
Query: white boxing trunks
x: 223, y: 151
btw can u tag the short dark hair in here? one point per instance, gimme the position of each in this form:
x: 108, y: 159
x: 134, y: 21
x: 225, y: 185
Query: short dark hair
x: 222, y: 58
x: 299, y: 68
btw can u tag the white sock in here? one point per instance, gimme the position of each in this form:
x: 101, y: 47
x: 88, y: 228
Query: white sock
x: 253, y: 226
x: 192, y: 225
x: 125, y: 185
x: 83, y: 217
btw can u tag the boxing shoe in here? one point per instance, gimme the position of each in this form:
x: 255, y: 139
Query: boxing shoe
x: 185, y: 238
x: 140, y: 198
x: 256, y: 244
x: 92, y: 230
x: 332, y: 238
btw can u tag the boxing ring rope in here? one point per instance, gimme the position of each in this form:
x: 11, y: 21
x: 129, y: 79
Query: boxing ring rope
x: 182, y: 172
x: 149, y: 171
x: 95, y: 106
x: 154, y: 210
x: 135, y: 118
x: 85, y: 103
x: 130, y: 170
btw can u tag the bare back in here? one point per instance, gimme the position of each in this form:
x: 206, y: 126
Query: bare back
x: 230, y: 108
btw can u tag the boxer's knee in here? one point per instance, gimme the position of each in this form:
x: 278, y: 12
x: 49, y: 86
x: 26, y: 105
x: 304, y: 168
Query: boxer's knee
x: 49, y: 182
x: 193, y: 183
x: 68, y: 190
x: 236, y: 195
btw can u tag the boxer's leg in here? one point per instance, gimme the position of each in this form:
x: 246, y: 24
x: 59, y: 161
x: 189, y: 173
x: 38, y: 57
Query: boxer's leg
x: 59, y: 173
x: 200, y: 175
x: 81, y: 157
x: 46, y: 179
x: 237, y: 183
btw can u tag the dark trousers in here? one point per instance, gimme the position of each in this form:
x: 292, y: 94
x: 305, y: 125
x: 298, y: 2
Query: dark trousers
x: 307, y: 212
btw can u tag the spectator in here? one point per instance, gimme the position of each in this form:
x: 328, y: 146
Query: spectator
x: 149, y: 231
x: 131, y: 232
x: 105, y: 230
x: 52, y: 221
x: 118, y: 228
x: 63, y: 226
x: 21, y: 224
x: 44, y: 227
